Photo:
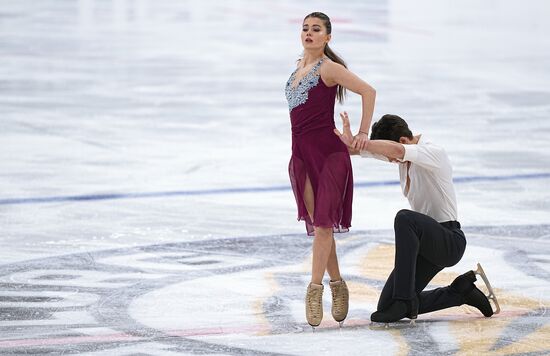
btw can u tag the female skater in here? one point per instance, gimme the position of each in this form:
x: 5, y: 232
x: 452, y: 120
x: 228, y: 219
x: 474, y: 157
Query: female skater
x: 320, y: 167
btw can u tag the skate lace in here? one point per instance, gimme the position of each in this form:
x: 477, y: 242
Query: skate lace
x: 314, y: 301
x: 338, y: 298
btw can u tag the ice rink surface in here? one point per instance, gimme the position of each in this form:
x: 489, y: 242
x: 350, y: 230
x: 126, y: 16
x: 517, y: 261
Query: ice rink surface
x: 145, y: 206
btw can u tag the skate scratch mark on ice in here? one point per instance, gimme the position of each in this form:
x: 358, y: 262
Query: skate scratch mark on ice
x: 125, y: 337
x: 67, y: 340
x: 254, y: 329
x: 223, y: 191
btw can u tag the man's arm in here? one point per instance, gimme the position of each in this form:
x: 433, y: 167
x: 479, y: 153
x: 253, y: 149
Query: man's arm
x: 390, y: 149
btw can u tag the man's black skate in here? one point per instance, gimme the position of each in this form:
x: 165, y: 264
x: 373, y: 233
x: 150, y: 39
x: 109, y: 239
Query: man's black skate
x: 464, y: 285
x: 477, y: 299
x: 398, y: 310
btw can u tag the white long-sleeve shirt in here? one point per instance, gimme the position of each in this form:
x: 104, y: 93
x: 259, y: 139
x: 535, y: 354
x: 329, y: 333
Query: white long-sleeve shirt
x: 431, y: 189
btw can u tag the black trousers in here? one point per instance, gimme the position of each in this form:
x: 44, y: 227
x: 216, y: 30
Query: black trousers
x: 423, y: 247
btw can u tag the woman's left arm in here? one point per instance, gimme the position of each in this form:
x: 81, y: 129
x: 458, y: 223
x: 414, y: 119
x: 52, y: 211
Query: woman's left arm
x: 334, y: 73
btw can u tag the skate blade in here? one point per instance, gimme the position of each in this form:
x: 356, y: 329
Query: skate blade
x: 374, y: 325
x: 379, y: 326
x: 491, y: 296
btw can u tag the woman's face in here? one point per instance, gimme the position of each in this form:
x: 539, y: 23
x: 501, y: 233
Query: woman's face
x: 314, y: 33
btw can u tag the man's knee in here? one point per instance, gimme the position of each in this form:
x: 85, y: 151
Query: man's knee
x: 403, y: 217
x: 404, y: 221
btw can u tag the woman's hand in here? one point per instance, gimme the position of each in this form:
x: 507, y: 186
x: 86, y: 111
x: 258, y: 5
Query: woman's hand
x: 360, y: 141
x: 355, y: 144
x: 345, y: 136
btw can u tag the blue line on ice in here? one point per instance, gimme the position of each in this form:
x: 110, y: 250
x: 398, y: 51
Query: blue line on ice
x: 112, y: 196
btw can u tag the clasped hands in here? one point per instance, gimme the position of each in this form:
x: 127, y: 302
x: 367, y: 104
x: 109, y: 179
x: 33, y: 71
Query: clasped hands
x: 358, y: 142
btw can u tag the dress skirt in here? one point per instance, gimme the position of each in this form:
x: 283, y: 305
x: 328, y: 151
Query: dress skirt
x: 320, y: 156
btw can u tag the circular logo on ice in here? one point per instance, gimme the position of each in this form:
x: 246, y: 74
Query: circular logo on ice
x: 86, y: 300
x: 208, y: 297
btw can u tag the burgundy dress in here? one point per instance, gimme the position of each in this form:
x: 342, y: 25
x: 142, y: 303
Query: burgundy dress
x: 319, y: 154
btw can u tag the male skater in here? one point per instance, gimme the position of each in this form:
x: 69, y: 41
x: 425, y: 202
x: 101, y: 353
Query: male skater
x: 427, y: 237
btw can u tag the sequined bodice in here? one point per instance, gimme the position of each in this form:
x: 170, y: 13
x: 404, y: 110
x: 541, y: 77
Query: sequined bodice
x: 299, y: 94
x: 311, y: 102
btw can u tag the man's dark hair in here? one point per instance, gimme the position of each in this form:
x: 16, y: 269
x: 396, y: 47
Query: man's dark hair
x: 390, y: 127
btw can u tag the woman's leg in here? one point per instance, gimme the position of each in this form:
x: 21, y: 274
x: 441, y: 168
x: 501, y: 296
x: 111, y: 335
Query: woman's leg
x: 324, y: 258
x: 332, y: 265
x: 324, y: 246
x: 309, y: 198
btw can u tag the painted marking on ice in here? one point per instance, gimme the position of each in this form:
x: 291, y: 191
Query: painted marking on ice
x: 200, y: 192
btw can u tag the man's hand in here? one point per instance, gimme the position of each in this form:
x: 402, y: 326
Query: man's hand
x: 346, y: 137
